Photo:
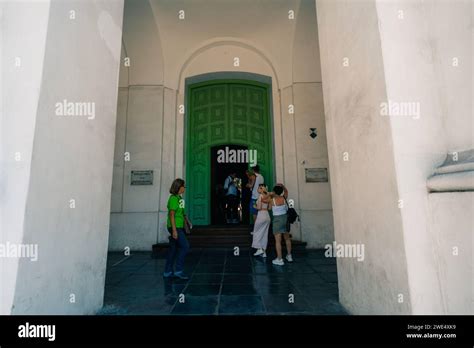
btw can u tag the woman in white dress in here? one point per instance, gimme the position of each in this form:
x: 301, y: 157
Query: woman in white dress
x: 262, y: 223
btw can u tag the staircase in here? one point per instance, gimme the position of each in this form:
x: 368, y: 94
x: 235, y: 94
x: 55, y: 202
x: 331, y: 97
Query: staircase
x: 225, y: 236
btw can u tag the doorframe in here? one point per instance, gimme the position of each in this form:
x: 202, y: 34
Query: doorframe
x: 213, y: 198
x: 223, y: 77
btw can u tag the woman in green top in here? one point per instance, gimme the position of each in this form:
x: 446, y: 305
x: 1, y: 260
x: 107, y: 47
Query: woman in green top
x: 179, y: 245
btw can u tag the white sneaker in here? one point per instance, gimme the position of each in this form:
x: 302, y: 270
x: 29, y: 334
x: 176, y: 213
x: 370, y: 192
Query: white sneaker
x: 289, y: 258
x: 264, y: 254
x: 278, y: 262
x: 259, y: 252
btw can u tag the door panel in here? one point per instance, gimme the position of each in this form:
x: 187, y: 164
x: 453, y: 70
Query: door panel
x: 223, y: 112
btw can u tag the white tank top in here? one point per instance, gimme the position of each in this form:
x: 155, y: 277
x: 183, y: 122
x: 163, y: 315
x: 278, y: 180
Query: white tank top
x: 279, y: 209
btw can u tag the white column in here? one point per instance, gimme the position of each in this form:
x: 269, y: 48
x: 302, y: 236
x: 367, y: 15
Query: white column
x: 21, y: 66
x: 168, y: 159
x: 419, y: 42
x: 363, y: 176
x: 68, y: 201
x: 290, y: 168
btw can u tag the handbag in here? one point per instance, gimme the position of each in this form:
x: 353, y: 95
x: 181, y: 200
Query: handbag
x: 292, y: 215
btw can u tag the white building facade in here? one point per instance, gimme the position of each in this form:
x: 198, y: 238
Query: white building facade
x: 387, y: 86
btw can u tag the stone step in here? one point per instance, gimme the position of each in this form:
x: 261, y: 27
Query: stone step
x: 226, y: 236
x: 227, y: 242
x: 218, y: 231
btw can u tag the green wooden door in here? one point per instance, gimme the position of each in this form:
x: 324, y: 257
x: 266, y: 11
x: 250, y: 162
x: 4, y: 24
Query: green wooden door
x: 223, y: 112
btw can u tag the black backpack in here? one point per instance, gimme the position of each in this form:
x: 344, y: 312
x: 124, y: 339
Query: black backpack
x: 292, y: 214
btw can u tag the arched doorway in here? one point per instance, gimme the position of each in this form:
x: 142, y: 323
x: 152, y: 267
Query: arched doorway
x: 221, y: 170
x: 219, y: 112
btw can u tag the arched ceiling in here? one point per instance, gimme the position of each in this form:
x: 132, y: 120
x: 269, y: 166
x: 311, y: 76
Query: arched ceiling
x: 157, y: 39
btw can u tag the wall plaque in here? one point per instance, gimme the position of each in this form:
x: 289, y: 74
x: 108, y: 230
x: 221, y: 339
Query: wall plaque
x: 316, y: 174
x: 142, y: 177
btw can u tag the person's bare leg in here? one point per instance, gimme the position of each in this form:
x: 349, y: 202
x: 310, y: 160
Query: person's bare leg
x: 278, y: 245
x: 288, y: 243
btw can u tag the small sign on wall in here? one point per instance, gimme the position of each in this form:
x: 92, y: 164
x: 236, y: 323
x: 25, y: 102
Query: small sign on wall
x: 316, y: 174
x: 142, y: 177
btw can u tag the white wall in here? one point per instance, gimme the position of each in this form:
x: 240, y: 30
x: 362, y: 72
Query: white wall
x: 164, y: 51
x: 451, y: 36
x: 314, y: 198
x: 399, y: 52
x: 364, y: 188
x: 71, y: 158
x: 134, y: 218
x: 139, y: 132
x: 451, y: 220
x: 417, y: 55
x: 142, y: 44
x: 25, y: 23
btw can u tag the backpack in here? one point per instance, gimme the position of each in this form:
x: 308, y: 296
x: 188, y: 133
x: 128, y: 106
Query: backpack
x: 292, y: 214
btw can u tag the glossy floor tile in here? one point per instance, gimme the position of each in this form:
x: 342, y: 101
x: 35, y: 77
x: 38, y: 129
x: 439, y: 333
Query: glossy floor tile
x: 222, y: 283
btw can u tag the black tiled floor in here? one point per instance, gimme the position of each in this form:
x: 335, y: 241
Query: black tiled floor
x: 202, y: 289
x: 329, y: 277
x: 222, y: 284
x: 238, y: 279
x: 278, y: 289
x: 239, y: 289
x: 206, y: 278
x: 281, y: 304
x: 171, y: 288
x: 198, y: 305
x: 152, y: 305
x: 209, y: 268
x: 241, y: 304
x: 265, y: 279
x: 244, y: 268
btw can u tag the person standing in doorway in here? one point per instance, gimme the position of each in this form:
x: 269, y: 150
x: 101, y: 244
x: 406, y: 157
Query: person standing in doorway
x: 262, y: 223
x: 231, y: 196
x: 179, y: 245
x: 279, y: 223
x: 247, y: 195
x: 250, y: 178
x: 259, y: 180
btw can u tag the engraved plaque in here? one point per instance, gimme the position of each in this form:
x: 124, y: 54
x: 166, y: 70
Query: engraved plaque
x: 142, y: 177
x: 316, y: 174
